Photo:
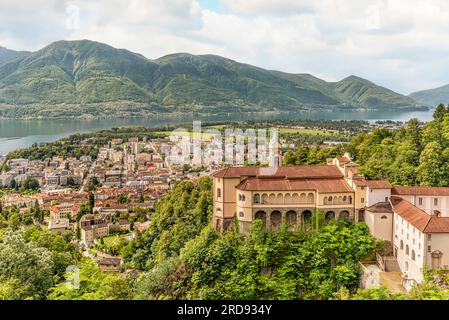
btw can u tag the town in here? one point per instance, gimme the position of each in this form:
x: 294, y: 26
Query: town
x: 111, y: 195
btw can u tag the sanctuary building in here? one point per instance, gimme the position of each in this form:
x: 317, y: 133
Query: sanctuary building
x: 414, y: 221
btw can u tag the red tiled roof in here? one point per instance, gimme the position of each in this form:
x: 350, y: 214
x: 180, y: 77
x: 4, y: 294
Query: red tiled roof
x: 418, y: 218
x: 424, y: 191
x: 373, y: 184
x: 378, y: 184
x: 278, y: 184
x: 303, y: 172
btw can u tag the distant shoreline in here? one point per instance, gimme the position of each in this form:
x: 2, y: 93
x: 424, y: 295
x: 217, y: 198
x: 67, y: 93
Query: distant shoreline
x: 177, y: 114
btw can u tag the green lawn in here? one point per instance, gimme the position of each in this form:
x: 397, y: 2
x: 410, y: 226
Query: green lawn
x: 308, y: 131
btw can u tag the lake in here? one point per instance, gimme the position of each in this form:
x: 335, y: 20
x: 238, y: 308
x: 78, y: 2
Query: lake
x: 15, y: 134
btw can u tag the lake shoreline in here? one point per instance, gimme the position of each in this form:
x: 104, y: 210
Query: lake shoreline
x: 165, y: 115
x: 20, y: 133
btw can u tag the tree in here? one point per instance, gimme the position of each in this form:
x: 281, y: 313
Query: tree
x: 91, y: 202
x: 84, y: 209
x: 29, y: 264
x: 439, y: 113
x: 430, y: 170
x: 93, y: 285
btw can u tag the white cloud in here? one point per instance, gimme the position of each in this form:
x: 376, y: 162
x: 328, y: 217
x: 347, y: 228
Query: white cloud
x: 396, y: 43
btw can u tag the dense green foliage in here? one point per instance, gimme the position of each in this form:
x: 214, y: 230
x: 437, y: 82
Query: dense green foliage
x: 304, y: 155
x: 178, y: 217
x: 412, y: 155
x: 188, y: 259
x: 32, y: 261
x: 79, y: 78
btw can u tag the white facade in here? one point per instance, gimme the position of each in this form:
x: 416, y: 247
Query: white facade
x: 374, y: 196
x: 409, y: 250
x: 429, y: 203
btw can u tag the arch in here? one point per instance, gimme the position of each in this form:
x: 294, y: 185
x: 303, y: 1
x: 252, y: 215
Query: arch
x: 335, y: 200
x: 243, y: 198
x: 343, y: 215
x: 256, y: 199
x: 264, y: 198
x: 401, y: 245
x: 330, y: 215
x: 350, y: 199
x: 272, y: 198
x: 292, y: 219
x: 329, y: 200
x: 275, y: 220
x: 310, y: 198
x: 384, y: 217
x: 240, y: 197
x: 302, y: 198
x: 295, y: 198
x: 340, y: 200
x: 262, y: 215
x: 413, y: 255
x: 307, y: 219
x: 287, y: 198
x: 345, y: 198
x: 280, y: 198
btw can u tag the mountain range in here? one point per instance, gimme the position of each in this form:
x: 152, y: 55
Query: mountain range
x: 72, y: 78
x: 432, y: 97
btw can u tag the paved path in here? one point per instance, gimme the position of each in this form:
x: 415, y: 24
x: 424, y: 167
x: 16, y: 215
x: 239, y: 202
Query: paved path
x: 392, y: 281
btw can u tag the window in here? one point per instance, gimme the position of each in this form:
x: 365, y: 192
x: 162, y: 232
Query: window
x: 413, y: 255
x: 350, y: 200
x: 384, y: 217
x: 420, y: 201
x: 218, y: 193
x: 406, y: 250
x: 435, y: 201
x: 402, y: 245
x: 407, y: 236
x: 386, y: 199
x: 362, y: 200
x: 429, y: 236
x: 240, y: 197
x: 429, y: 248
x: 241, y: 214
x: 256, y: 198
x: 243, y: 197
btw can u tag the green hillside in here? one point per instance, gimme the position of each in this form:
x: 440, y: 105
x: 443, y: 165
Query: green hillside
x: 359, y: 91
x: 7, y: 55
x: 73, y: 78
x: 432, y: 97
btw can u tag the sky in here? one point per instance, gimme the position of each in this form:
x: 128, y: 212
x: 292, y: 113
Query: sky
x: 399, y: 44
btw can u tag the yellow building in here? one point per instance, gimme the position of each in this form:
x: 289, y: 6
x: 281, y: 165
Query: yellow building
x: 290, y: 194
